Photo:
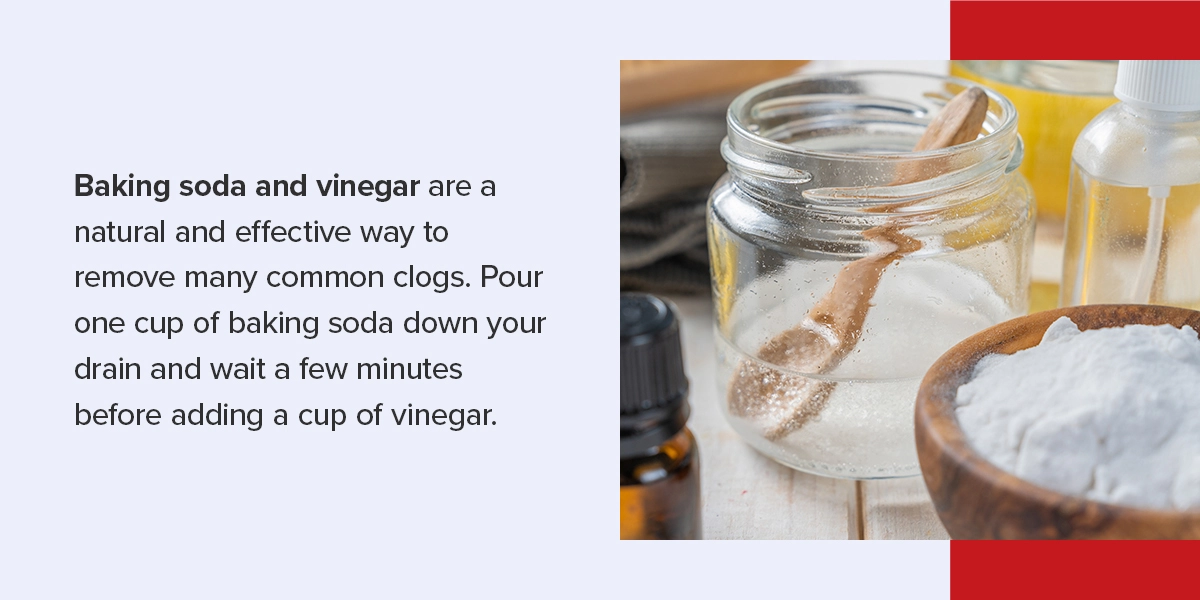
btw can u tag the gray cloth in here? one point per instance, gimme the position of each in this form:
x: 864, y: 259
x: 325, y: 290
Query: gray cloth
x: 667, y: 156
x: 669, y: 161
x: 680, y: 274
x: 649, y: 236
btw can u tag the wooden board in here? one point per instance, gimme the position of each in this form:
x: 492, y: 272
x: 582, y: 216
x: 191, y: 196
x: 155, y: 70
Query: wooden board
x: 650, y: 83
x: 898, y: 509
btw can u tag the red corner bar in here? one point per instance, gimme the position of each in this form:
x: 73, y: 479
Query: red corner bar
x: 1073, y: 30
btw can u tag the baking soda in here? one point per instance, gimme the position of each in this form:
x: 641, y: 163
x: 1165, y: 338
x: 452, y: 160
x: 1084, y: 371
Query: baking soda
x: 864, y: 429
x: 1109, y: 414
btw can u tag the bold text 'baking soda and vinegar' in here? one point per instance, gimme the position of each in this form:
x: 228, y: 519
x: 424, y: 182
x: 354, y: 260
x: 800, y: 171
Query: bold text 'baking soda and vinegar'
x: 382, y: 190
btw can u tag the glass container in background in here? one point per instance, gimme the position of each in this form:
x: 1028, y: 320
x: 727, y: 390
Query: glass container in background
x: 1055, y: 100
x: 1133, y: 222
x: 660, y: 472
x: 813, y: 165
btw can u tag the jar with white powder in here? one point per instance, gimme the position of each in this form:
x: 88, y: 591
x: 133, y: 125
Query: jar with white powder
x: 816, y: 165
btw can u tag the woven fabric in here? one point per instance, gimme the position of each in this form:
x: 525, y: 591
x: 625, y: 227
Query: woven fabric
x: 665, y: 157
x: 669, y: 163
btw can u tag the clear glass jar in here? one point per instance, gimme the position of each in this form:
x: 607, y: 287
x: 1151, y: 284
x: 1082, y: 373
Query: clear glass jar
x: 1056, y: 99
x: 815, y: 165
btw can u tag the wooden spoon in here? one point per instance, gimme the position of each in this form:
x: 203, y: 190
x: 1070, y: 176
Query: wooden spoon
x: 834, y: 325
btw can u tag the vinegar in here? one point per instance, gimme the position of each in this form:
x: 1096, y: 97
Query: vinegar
x: 1108, y: 243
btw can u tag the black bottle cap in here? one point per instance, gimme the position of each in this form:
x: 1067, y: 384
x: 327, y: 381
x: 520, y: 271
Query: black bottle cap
x: 654, y: 387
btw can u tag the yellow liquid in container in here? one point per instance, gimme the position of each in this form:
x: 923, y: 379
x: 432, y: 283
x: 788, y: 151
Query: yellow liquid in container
x: 1049, y: 122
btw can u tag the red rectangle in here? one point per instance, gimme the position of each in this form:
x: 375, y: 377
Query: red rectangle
x: 1074, y: 30
x: 1074, y: 569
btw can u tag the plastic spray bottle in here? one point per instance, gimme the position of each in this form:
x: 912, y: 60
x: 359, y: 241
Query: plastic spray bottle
x: 1133, y: 206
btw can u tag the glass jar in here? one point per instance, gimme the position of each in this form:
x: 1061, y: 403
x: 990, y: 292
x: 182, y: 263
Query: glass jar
x: 816, y: 166
x: 1056, y: 99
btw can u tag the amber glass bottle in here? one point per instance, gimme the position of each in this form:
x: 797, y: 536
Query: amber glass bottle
x: 660, y: 472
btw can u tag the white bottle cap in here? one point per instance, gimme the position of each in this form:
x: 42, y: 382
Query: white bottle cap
x: 1172, y: 85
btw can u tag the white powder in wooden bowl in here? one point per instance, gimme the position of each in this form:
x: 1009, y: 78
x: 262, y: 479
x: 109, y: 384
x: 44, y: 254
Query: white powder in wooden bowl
x: 1109, y: 414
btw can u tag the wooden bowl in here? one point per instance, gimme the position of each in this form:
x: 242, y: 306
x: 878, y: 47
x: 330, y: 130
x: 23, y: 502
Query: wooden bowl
x: 976, y: 499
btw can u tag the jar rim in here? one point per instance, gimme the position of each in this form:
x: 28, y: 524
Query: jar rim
x: 748, y: 100
x: 833, y: 142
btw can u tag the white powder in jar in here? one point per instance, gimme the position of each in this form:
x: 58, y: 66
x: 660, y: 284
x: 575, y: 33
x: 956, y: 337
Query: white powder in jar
x: 1109, y: 414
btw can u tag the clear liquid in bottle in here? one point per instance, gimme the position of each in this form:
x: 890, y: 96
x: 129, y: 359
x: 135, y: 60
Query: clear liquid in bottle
x: 1131, y: 244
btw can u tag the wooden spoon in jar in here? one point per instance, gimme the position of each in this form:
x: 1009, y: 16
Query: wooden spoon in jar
x: 834, y: 325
